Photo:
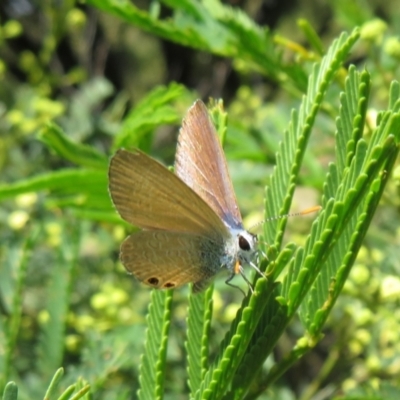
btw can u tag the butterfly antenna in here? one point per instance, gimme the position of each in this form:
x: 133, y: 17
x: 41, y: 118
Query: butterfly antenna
x: 297, y: 214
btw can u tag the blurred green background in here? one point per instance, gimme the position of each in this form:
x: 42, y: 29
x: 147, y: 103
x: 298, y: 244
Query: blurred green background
x: 83, y: 69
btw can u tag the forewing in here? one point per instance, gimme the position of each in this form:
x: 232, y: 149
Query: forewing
x: 148, y: 195
x: 166, y: 260
x: 200, y: 163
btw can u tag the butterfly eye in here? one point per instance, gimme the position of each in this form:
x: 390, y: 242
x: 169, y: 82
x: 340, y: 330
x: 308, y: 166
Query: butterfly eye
x: 152, y: 281
x: 243, y: 243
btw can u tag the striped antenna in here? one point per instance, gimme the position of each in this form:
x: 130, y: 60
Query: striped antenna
x: 297, y: 214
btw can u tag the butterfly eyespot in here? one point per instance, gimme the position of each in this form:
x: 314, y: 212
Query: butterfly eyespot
x: 243, y: 243
x: 169, y: 285
x: 153, y: 281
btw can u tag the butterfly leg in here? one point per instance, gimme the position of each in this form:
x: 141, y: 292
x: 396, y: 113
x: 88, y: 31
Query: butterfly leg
x: 237, y: 287
x: 241, y: 271
x: 263, y: 254
x: 254, y: 266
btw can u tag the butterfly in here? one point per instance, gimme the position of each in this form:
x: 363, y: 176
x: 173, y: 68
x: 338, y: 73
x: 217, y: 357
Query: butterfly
x: 191, y: 224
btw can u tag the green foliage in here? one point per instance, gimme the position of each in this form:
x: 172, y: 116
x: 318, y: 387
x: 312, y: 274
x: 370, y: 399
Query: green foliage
x: 50, y: 349
x: 212, y: 27
x: 198, y: 337
x: 153, y: 366
x: 61, y: 300
x: 14, y: 323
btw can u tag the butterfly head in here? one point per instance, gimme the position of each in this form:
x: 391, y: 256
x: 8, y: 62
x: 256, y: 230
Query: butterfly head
x: 246, y: 243
x: 240, y: 249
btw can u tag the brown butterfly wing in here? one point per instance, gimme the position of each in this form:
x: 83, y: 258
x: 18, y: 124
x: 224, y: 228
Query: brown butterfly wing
x: 200, y: 163
x: 166, y: 260
x: 148, y: 195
